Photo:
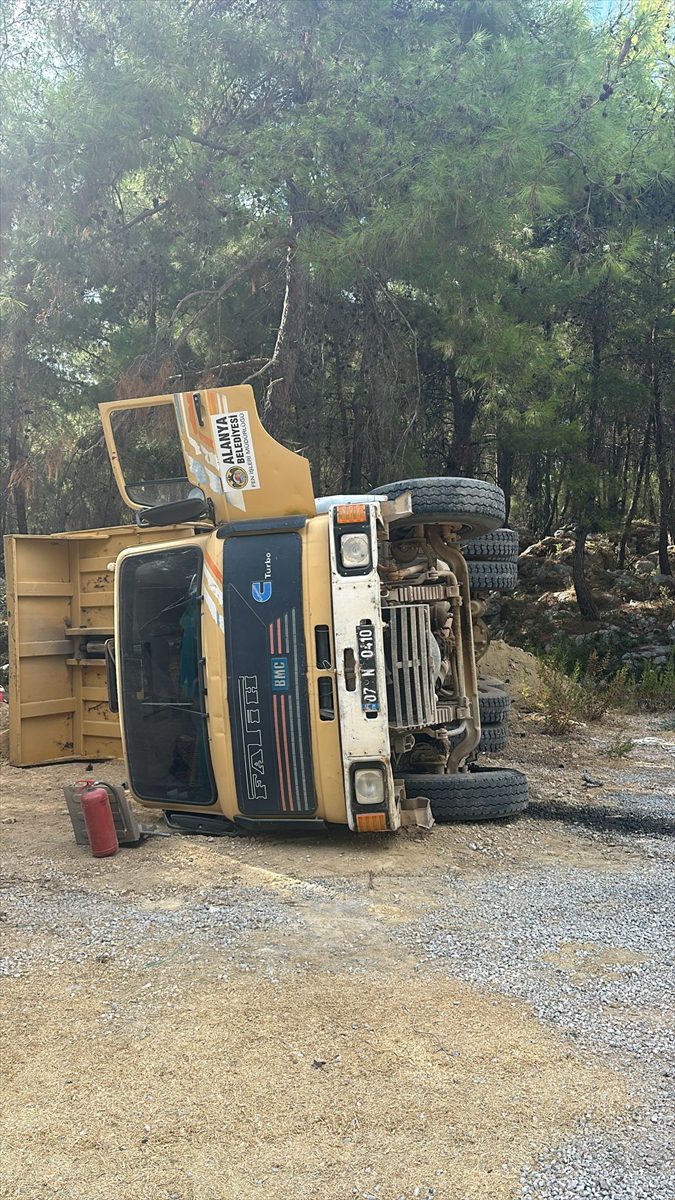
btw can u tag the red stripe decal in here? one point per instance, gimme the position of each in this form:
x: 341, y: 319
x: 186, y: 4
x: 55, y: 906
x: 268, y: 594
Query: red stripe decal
x: 288, y: 762
x: 271, y: 628
x: 279, y: 763
x: 213, y: 568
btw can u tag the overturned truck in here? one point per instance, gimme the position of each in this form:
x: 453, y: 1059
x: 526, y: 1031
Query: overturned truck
x: 261, y: 658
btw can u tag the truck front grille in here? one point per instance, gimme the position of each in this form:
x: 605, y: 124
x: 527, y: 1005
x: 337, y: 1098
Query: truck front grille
x: 410, y: 692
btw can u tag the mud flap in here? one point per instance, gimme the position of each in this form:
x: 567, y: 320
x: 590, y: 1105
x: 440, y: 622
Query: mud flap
x: 416, y: 811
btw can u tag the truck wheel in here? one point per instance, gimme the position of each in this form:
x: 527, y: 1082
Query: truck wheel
x: 492, y: 576
x: 481, y: 794
x: 499, y: 546
x: 493, y: 737
x: 494, y: 706
x: 488, y: 683
x: 475, y: 504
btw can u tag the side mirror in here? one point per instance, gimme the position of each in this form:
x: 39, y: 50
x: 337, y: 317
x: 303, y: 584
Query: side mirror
x: 177, y: 512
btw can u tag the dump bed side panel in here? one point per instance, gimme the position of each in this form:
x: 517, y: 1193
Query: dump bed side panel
x: 60, y: 600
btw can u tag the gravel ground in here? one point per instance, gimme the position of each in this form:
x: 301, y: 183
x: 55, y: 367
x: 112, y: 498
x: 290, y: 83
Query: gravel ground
x: 477, y: 1013
x: 592, y: 954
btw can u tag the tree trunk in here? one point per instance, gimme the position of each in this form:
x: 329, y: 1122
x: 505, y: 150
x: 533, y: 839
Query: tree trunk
x: 344, y: 419
x: 625, y: 475
x: 630, y: 515
x: 665, y: 483
x: 587, y: 606
x: 362, y: 401
x: 550, y: 518
x: 16, y: 486
x: 533, y: 491
x: 288, y: 346
x: 461, y: 458
x: 355, y: 480
x: 505, y: 463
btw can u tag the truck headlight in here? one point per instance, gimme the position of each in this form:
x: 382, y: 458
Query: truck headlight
x: 368, y: 785
x: 355, y: 550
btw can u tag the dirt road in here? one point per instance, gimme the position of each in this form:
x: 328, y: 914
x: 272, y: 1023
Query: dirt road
x: 476, y: 1012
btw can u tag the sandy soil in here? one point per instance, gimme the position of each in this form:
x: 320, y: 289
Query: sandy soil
x: 200, y: 1019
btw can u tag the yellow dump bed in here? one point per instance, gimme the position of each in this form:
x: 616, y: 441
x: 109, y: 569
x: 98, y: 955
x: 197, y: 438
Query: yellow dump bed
x: 60, y: 601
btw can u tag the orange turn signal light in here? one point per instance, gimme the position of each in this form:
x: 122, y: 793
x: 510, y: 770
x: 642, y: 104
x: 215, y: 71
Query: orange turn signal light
x: 351, y: 514
x: 371, y: 822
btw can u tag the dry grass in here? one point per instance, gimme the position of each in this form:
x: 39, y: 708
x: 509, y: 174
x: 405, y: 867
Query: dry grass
x: 422, y: 1083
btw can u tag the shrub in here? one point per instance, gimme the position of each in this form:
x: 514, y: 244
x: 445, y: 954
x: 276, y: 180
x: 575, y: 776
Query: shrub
x: 664, y: 606
x: 570, y: 694
x: 655, y: 690
x: 594, y: 688
x: 565, y: 700
x: 620, y: 746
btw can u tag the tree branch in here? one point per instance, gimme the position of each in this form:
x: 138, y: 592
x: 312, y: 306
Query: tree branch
x: 215, y: 296
x: 142, y: 216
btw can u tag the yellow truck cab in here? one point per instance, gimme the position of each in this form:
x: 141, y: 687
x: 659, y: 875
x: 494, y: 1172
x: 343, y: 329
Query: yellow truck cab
x: 274, y: 660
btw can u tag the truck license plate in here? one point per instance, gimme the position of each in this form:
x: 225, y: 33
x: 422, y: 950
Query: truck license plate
x: 365, y: 640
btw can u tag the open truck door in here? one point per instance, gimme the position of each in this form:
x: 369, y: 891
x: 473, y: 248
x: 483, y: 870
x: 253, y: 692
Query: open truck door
x: 172, y: 448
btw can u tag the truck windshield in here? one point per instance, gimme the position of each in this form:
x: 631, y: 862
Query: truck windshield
x: 162, y: 693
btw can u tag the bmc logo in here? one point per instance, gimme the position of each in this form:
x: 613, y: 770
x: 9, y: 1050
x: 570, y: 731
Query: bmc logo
x: 261, y: 592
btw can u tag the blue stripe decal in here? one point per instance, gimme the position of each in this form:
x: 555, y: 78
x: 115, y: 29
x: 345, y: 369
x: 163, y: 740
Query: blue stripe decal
x: 267, y: 676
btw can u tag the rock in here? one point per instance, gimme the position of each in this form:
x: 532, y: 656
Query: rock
x: 546, y: 574
x: 631, y: 587
x: 644, y: 566
x: 664, y: 581
x: 536, y: 550
x: 653, y: 556
x: 658, y: 656
x: 605, y: 600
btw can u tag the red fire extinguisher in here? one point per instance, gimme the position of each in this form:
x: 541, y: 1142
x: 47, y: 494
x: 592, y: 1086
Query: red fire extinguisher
x: 99, y: 821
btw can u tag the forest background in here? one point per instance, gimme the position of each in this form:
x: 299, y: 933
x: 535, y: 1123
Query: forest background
x: 436, y: 236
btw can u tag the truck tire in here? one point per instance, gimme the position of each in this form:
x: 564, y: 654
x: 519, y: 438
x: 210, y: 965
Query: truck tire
x: 499, y: 546
x: 493, y: 737
x: 492, y: 576
x: 488, y: 683
x: 494, y: 706
x: 481, y: 794
x: 475, y: 504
